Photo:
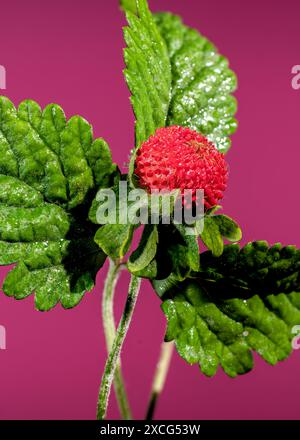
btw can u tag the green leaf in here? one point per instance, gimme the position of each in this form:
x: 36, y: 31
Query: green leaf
x: 215, y: 228
x: 190, y: 247
x: 164, y: 285
x: 49, y: 170
x: 129, y: 6
x: 212, y: 237
x: 146, y: 250
x: 202, y: 83
x: 148, y: 72
x: 177, y: 254
x: 148, y: 272
x: 254, y: 269
x: 115, y: 236
x: 256, y: 311
x: 115, y: 240
x: 205, y: 335
x: 228, y: 228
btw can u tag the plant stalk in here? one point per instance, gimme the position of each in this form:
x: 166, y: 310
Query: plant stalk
x: 110, y: 334
x: 114, y: 355
x: 160, y: 377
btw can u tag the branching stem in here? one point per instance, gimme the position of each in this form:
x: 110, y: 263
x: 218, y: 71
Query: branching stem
x: 110, y: 334
x: 114, y: 355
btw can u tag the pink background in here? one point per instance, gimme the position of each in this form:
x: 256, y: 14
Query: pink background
x: 70, y: 52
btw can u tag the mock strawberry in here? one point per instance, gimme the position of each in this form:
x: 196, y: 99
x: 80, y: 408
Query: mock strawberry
x: 180, y: 158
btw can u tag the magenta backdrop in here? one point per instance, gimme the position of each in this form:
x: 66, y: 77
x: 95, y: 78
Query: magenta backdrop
x: 70, y: 52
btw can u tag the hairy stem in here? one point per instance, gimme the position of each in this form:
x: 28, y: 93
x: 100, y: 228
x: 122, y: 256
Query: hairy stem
x: 114, y: 354
x: 160, y: 377
x: 110, y: 334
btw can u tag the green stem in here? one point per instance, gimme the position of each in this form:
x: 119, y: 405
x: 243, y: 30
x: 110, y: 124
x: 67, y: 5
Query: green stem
x: 114, y: 354
x: 110, y: 334
x: 160, y: 377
